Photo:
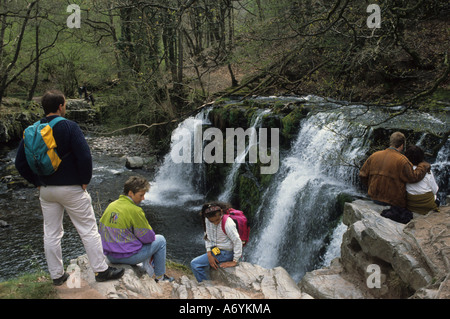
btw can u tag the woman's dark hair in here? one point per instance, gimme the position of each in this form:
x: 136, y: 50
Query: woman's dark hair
x: 211, y: 208
x: 415, y: 154
x: 52, y: 100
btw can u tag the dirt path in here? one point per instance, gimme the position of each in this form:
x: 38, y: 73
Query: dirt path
x: 85, y: 292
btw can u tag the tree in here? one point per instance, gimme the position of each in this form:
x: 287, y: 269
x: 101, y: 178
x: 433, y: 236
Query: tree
x: 326, y: 47
x: 17, y: 19
x: 7, y: 66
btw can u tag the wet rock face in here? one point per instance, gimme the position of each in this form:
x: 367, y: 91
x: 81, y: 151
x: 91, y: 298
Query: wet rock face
x: 12, y: 125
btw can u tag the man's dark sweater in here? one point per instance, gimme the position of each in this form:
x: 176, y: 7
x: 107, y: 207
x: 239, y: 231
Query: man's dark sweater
x: 72, y: 148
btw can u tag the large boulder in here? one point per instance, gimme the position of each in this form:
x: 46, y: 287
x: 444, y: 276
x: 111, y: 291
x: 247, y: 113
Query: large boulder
x: 133, y: 162
x: 133, y: 284
x: 13, y: 124
x: 411, y: 261
x: 273, y: 283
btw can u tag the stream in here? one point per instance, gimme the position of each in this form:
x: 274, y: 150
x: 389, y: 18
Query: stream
x: 21, y: 243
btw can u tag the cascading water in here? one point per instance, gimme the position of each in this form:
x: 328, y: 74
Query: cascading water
x: 176, y: 184
x: 298, y: 209
x: 296, y: 225
x: 441, y: 171
x: 177, y: 193
x: 230, y: 181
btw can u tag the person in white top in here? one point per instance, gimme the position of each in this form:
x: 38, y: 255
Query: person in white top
x: 223, y: 249
x: 421, y: 196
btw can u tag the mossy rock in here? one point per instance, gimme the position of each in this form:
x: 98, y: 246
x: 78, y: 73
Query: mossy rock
x: 341, y: 199
x: 291, y: 122
x: 232, y: 116
x: 249, y: 194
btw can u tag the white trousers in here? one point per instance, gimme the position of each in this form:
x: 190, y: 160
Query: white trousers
x: 78, y: 205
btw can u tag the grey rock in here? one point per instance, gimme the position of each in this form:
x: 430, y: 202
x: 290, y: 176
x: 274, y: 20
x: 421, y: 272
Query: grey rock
x: 133, y: 162
x: 408, y: 266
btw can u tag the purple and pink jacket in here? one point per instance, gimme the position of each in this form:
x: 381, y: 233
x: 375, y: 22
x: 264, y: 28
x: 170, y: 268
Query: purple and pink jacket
x: 124, y: 229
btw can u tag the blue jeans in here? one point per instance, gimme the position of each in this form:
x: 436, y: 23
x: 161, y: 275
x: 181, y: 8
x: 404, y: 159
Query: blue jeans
x: 200, y: 265
x: 156, y: 249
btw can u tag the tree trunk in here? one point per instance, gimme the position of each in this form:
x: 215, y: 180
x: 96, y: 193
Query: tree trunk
x: 36, y: 70
x: 4, y: 83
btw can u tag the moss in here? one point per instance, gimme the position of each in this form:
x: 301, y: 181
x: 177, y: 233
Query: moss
x: 291, y: 122
x: 249, y: 194
x: 251, y: 185
x: 441, y: 95
x: 437, y: 101
x: 341, y: 199
x: 216, y: 174
x: 290, y: 125
x: 271, y: 120
x: 183, y: 269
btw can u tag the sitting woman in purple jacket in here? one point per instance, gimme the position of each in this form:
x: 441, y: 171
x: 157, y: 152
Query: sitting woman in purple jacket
x: 127, y: 237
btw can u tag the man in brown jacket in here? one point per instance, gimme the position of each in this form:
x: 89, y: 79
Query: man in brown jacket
x: 386, y: 173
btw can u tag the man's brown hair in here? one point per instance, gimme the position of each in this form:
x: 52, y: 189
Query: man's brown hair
x: 397, y: 139
x: 136, y: 184
x: 52, y: 100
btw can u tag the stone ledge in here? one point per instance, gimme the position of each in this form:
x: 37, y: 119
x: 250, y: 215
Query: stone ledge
x: 245, y: 281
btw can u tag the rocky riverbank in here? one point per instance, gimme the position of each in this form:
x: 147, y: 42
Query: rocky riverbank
x: 379, y: 258
x: 247, y: 281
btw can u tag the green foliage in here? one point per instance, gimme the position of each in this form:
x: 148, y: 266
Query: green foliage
x: 30, y: 286
x: 326, y: 48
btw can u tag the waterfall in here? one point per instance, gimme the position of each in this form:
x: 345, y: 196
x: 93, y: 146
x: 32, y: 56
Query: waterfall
x: 240, y: 158
x: 299, y: 207
x: 297, y: 223
x: 441, y: 171
x: 178, y: 183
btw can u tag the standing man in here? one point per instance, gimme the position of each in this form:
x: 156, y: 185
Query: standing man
x: 387, y: 172
x: 65, y: 189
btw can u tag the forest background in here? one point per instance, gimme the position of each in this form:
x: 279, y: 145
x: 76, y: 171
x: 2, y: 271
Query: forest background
x: 152, y: 61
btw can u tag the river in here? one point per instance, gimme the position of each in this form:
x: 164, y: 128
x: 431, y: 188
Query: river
x: 21, y: 243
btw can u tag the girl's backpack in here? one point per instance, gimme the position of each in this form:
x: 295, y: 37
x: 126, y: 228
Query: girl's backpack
x: 241, y: 223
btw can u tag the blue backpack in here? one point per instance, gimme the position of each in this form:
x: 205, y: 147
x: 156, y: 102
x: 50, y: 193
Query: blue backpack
x: 40, y: 145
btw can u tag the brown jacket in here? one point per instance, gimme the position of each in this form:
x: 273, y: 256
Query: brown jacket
x: 386, y: 173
